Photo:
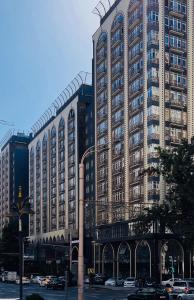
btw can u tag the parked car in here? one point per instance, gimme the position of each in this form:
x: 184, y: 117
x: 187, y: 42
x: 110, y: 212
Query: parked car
x: 149, y: 293
x: 46, y: 280
x: 37, y: 279
x: 99, y: 278
x: 56, y: 284
x: 169, y: 288
x: 182, y: 286
x: 114, y: 281
x: 9, y: 276
x: 130, y: 282
x: 25, y: 280
x: 86, y: 280
x: 186, y: 296
x: 170, y: 281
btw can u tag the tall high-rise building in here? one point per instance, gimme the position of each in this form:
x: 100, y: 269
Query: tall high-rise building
x: 54, y: 156
x: 13, y: 173
x: 143, y: 78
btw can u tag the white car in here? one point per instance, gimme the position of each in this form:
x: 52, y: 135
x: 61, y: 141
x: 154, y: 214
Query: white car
x: 37, y: 279
x: 25, y: 280
x: 170, y: 281
x: 183, y: 286
x: 189, y: 295
x: 46, y: 280
x: 114, y: 281
x: 129, y: 282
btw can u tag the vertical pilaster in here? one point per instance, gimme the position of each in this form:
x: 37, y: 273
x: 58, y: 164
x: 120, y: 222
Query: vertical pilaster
x: 66, y: 176
x: 57, y: 178
x: 109, y: 128
x: 162, y: 86
x: 145, y: 130
x: 126, y: 116
x: 190, y: 67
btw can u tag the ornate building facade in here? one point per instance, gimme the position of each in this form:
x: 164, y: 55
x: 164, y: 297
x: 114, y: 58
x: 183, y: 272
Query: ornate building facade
x: 143, y: 66
x: 54, y: 156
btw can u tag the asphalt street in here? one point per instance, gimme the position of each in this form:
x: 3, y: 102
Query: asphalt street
x: 12, y: 291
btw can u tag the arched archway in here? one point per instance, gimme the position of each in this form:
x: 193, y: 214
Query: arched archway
x: 108, y: 260
x: 74, y: 254
x: 143, y: 260
x: 124, y: 260
x: 172, y: 259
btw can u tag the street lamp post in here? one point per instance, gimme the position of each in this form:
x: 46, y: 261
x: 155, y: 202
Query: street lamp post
x: 18, y: 210
x: 89, y: 151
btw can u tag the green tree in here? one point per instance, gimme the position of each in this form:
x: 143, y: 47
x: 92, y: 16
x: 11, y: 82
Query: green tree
x: 9, y: 247
x: 176, y: 165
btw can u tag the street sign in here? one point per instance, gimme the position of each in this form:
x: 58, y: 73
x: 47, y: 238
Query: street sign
x: 75, y: 242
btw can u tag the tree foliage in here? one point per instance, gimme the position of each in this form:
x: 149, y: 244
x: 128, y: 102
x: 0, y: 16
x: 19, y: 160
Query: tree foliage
x: 177, y: 212
x: 9, y: 246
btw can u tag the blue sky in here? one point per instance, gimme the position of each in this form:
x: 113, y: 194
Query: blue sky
x: 44, y: 44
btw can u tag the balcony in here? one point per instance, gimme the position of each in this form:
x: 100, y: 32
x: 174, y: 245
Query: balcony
x: 134, y: 127
x: 101, y: 43
x: 173, y: 30
x: 116, y: 41
x: 117, y: 121
x: 116, y: 72
x: 175, y: 140
x: 173, y: 11
x: 136, y: 162
x: 177, y: 121
x: 153, y: 41
x: 101, y: 87
x: 153, y: 61
x: 134, y: 146
x: 153, y: 80
x: 101, y: 72
x: 134, y: 75
x: 118, y: 25
x: 135, y: 39
x: 136, y: 198
x: 101, y: 102
x: 153, y: 117
x: 101, y: 132
x: 135, y: 21
x: 117, y: 104
x: 101, y: 56
x: 133, y: 6
x: 177, y: 103
x: 116, y: 89
x: 154, y: 136
x: 116, y: 57
x: 101, y: 116
x: 153, y: 155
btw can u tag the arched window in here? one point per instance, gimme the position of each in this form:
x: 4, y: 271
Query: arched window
x: 62, y: 123
x: 143, y: 260
x: 102, y: 38
x: 124, y: 260
x: 108, y: 260
x: 61, y: 129
x: 118, y: 20
x: 38, y: 145
x: 71, y: 114
x: 53, y: 131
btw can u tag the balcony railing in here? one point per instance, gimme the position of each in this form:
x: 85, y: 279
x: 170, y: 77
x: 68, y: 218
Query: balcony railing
x: 154, y: 117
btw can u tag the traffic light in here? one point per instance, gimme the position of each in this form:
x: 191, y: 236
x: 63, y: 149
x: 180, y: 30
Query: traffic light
x: 171, y: 270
